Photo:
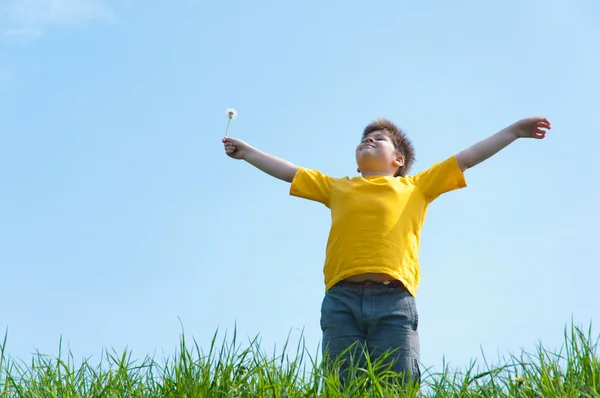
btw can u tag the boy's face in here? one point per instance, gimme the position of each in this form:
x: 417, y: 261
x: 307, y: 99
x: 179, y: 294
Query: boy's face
x: 376, y: 154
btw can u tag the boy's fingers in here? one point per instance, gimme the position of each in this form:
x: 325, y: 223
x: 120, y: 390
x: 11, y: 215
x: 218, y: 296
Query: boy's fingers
x: 544, y: 121
x: 543, y: 124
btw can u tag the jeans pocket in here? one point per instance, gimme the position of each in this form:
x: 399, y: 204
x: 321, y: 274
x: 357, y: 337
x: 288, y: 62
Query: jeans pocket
x: 414, y: 312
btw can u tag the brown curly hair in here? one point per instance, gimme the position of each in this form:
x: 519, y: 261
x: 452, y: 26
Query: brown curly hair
x: 401, y: 142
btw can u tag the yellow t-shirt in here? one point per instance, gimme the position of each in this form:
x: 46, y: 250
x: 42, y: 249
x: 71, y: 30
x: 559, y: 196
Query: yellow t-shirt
x: 376, y: 220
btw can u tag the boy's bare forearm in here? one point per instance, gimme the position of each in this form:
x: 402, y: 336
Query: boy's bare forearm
x: 274, y: 166
x: 486, y: 148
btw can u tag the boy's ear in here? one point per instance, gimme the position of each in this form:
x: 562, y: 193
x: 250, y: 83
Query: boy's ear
x: 399, y: 161
x: 357, y: 170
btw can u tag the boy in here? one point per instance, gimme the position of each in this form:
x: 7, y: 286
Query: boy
x: 371, y: 267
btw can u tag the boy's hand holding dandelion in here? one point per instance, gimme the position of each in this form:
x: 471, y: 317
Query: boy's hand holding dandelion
x: 234, y: 148
x: 238, y: 149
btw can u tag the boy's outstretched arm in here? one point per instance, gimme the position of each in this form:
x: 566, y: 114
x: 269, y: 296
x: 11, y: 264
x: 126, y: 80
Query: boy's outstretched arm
x: 531, y: 127
x: 274, y: 166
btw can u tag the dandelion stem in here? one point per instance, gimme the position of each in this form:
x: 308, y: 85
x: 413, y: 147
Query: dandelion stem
x: 227, y: 128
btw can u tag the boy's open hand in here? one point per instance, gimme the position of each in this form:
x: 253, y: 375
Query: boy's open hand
x: 234, y: 148
x: 532, y: 127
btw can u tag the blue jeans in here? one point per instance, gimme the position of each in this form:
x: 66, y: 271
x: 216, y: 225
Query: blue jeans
x: 377, y: 318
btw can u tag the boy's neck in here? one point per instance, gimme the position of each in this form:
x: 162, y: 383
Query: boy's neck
x: 377, y: 173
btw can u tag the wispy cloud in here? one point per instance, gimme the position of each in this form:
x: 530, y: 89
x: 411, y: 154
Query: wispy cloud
x: 30, y: 18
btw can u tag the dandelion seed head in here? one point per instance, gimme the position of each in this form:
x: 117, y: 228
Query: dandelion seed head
x: 230, y: 113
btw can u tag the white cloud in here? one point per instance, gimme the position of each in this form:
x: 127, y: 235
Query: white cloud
x: 30, y: 18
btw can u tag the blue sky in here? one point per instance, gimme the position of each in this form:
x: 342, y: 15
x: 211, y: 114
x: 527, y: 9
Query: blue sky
x: 120, y: 213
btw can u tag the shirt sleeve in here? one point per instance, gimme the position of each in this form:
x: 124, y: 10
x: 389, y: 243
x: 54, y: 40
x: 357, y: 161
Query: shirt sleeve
x: 311, y: 185
x: 440, y: 178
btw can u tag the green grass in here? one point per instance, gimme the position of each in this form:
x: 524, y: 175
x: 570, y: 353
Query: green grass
x: 229, y: 369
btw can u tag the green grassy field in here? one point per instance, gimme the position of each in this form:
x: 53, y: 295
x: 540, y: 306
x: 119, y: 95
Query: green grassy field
x: 229, y: 369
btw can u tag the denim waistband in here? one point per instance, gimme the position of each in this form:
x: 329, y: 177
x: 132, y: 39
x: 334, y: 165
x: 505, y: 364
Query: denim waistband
x: 394, y: 284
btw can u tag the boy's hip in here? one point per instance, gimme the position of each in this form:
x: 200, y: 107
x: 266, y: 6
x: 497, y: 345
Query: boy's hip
x: 370, y: 304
